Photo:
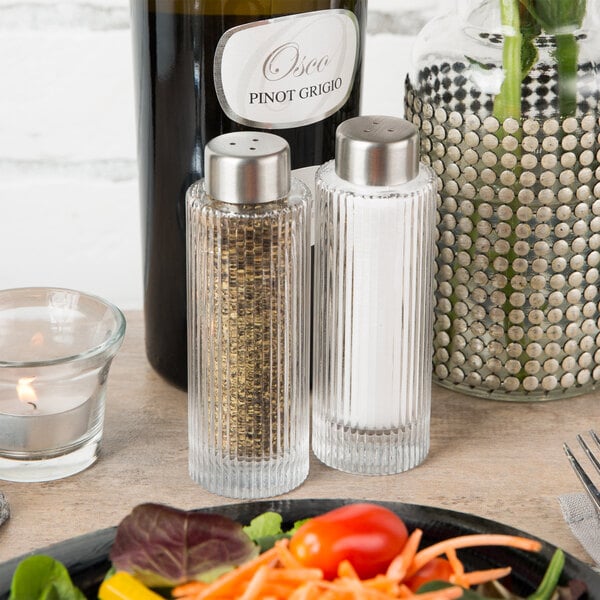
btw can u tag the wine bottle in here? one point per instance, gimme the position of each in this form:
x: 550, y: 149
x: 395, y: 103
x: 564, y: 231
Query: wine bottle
x: 208, y: 67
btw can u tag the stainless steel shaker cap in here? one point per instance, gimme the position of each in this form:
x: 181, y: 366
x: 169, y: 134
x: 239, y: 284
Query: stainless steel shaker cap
x: 247, y: 167
x: 377, y: 150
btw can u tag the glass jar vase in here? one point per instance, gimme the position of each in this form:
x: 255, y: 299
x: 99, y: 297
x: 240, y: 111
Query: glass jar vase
x: 506, y: 96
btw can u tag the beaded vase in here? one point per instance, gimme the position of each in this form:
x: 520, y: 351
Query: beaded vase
x: 506, y: 101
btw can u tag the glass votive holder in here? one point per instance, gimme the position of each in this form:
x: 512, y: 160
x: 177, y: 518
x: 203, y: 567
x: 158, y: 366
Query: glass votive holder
x: 56, y: 348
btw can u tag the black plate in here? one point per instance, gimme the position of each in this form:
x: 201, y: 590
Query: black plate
x: 87, y: 556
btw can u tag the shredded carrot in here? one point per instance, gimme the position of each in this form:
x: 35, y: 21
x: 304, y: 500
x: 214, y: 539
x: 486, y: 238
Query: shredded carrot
x: 188, y: 589
x: 359, y: 591
x: 286, y: 558
x: 455, y: 562
x: 466, y: 541
x: 345, y: 569
x: 230, y: 582
x: 384, y: 584
x: 477, y: 577
x: 278, y: 575
x: 308, y: 591
x: 295, y: 575
x: 404, y: 591
x: 399, y: 566
x: 256, y: 584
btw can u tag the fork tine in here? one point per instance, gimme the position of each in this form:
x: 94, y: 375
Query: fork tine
x: 588, y: 451
x: 588, y: 485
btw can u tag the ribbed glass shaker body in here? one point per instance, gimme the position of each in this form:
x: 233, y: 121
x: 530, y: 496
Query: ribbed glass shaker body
x: 373, y: 288
x: 248, y: 290
x: 511, y: 127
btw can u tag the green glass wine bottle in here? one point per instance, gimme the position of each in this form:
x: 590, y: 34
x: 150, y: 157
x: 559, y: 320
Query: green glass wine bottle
x: 208, y: 67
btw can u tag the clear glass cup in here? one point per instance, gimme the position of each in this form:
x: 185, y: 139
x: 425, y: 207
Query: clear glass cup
x: 56, y: 348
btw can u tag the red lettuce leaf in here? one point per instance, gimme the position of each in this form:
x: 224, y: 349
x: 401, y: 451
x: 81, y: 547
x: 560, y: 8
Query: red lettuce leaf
x: 164, y: 546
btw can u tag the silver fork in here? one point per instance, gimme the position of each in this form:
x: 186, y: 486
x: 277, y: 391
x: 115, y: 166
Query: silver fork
x: 587, y: 483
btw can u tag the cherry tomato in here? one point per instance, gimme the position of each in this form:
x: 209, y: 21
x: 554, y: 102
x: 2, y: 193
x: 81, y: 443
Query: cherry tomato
x: 368, y: 535
x: 437, y: 569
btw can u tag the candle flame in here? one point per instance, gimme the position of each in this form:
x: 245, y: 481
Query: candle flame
x: 26, y: 392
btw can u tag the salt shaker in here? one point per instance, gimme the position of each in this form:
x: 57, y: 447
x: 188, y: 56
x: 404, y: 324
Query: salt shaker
x: 375, y: 223
x: 248, y: 296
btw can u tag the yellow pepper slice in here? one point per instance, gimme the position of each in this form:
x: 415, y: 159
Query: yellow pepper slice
x: 123, y: 586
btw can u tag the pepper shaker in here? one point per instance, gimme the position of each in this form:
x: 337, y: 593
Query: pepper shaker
x: 248, y: 296
x: 375, y: 226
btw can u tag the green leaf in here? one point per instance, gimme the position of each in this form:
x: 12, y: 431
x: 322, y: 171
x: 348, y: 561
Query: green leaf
x: 530, y: 29
x: 558, y: 16
x: 297, y: 526
x: 267, y: 524
x: 43, y: 578
x: 477, y: 63
x: 266, y: 529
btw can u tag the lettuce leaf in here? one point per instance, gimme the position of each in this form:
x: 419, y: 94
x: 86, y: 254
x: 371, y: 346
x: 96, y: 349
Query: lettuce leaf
x: 266, y: 529
x: 164, y: 546
x: 41, y: 577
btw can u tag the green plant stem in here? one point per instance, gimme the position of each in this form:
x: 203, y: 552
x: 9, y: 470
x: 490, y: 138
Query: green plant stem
x: 508, y: 101
x: 508, y: 105
x: 548, y: 585
x: 567, y: 58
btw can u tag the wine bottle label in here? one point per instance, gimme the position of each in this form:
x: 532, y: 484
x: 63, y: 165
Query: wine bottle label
x: 287, y: 71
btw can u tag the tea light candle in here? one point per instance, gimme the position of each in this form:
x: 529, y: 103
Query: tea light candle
x: 56, y: 347
x: 42, y: 418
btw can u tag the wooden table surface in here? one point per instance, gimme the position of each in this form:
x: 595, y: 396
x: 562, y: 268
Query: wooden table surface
x: 503, y: 461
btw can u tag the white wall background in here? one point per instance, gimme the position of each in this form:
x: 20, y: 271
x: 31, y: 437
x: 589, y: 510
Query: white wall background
x: 69, y: 208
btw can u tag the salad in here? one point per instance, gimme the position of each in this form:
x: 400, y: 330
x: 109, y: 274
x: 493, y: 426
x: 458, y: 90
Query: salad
x: 361, y: 551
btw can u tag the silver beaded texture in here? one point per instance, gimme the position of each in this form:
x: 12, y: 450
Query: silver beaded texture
x: 518, y: 252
